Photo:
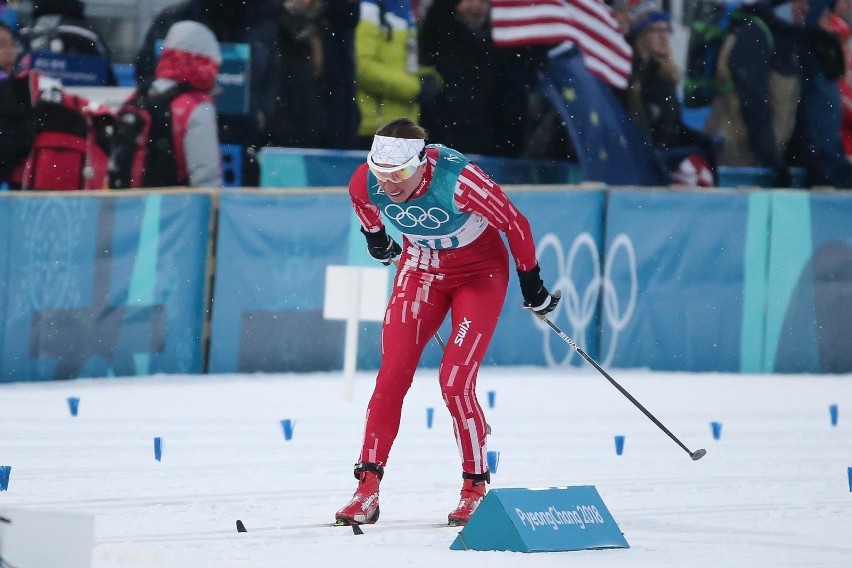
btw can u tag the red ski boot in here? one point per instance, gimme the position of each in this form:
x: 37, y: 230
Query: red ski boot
x: 472, y: 494
x: 364, y: 506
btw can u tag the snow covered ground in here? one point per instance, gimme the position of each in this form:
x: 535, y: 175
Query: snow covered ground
x: 772, y: 491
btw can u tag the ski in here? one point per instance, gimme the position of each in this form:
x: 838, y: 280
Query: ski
x: 356, y: 529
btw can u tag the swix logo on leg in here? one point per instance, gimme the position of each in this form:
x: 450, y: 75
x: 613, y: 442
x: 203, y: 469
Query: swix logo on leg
x: 463, y: 327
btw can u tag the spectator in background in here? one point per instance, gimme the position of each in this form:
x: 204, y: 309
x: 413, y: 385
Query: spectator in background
x: 391, y: 83
x: 186, y: 140
x: 839, y: 25
x: 60, y: 27
x: 298, y: 120
x: 8, y: 51
x: 342, y: 117
x: 15, y: 111
x: 817, y: 145
x: 251, y: 22
x: 654, y: 104
x: 759, y: 71
x: 8, y: 17
x: 455, y: 39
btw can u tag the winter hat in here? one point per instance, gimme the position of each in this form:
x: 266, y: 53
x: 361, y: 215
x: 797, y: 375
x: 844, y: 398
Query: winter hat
x: 193, y: 37
x: 644, y: 14
x: 191, y: 54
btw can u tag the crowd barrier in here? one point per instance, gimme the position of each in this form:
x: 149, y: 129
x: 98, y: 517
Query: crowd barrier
x: 301, y: 167
x: 119, y: 283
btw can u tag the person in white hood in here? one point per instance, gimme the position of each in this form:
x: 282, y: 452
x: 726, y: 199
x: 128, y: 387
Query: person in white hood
x: 191, y: 56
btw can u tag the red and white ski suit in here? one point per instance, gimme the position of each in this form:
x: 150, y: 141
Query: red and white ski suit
x: 470, y: 282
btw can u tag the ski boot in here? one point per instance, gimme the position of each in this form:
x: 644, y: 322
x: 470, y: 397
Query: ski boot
x: 472, y: 494
x: 364, y: 506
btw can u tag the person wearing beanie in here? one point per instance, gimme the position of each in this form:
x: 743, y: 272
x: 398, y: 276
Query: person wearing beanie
x: 181, y: 144
x: 250, y: 22
x: 644, y: 15
x: 8, y: 51
x: 653, y: 101
x: 191, y: 56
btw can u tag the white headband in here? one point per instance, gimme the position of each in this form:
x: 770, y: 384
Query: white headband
x: 395, y: 151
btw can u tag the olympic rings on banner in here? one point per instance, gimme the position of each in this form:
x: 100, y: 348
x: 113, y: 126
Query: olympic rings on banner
x: 579, y: 308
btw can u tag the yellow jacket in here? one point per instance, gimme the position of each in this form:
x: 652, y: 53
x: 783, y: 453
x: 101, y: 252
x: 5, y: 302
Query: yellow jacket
x: 386, y: 88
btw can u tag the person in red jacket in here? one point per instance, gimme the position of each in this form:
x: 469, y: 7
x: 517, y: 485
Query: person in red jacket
x: 167, y: 131
x: 452, y: 260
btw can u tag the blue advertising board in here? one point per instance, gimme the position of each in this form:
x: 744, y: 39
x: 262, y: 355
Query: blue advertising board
x: 675, y: 279
x: 104, y: 285
x: 234, y: 79
x: 272, y: 253
x: 72, y: 70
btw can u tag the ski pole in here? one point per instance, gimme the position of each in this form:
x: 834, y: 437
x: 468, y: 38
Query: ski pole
x: 437, y: 336
x: 696, y: 455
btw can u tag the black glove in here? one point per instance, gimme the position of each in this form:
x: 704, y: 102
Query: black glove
x: 536, y: 296
x: 381, y: 246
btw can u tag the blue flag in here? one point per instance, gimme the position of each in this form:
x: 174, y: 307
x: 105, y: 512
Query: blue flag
x: 609, y: 146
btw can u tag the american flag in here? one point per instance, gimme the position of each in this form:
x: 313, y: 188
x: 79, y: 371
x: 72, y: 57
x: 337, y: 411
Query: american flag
x: 588, y: 23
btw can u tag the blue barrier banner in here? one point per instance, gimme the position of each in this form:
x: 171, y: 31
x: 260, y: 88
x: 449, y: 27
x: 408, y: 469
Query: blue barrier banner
x: 541, y: 520
x: 103, y: 285
x: 674, y: 280
x: 300, y: 168
x: 810, y: 284
x: 272, y: 252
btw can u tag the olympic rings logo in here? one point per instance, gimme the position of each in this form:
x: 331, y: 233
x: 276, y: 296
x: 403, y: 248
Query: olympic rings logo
x: 415, y: 216
x: 580, y: 308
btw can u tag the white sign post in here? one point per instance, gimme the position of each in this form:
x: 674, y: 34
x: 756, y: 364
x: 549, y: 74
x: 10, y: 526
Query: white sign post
x: 354, y: 294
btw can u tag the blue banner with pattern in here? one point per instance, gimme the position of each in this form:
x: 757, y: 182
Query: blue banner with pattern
x: 272, y: 251
x: 105, y: 285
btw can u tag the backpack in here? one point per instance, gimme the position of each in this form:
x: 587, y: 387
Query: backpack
x: 70, y: 147
x: 712, y: 22
x: 143, y: 152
